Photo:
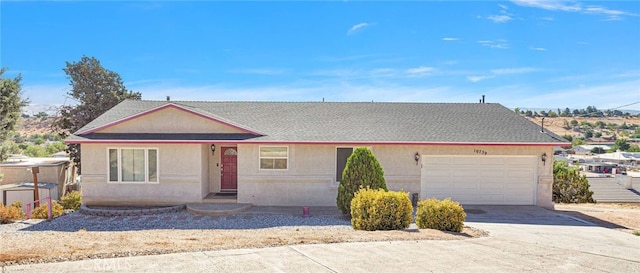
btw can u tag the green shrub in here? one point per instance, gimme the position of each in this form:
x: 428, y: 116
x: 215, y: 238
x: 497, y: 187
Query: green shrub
x: 445, y: 215
x: 72, y: 200
x: 380, y: 210
x: 41, y: 211
x: 569, y: 186
x: 361, y: 171
x: 11, y: 213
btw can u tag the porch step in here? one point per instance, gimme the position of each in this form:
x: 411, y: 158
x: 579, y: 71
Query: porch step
x: 217, y: 209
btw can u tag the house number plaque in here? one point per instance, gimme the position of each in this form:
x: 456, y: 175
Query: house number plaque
x: 480, y: 152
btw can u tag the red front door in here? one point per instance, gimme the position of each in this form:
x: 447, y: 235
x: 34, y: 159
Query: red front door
x: 229, y: 168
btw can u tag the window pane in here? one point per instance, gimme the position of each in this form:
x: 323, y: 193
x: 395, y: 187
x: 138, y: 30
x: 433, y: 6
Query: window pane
x: 153, y: 165
x: 266, y: 163
x: 132, y: 165
x: 113, y: 165
x: 273, y: 152
x: 127, y: 164
x: 280, y: 164
x: 138, y: 165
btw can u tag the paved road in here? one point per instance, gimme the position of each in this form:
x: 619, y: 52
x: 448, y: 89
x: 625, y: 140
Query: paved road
x: 521, y: 239
x: 608, y: 190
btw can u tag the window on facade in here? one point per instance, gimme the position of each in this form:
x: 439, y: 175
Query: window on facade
x: 133, y: 165
x: 274, y: 158
x: 342, y: 154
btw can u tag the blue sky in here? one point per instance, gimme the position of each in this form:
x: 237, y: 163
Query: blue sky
x: 518, y: 53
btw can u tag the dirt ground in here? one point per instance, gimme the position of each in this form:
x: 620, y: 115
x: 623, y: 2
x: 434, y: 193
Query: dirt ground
x: 53, y: 246
x: 39, y: 247
x: 623, y: 217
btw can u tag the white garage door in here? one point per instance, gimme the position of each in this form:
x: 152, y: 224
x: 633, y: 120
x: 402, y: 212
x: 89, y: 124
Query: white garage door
x: 487, y: 180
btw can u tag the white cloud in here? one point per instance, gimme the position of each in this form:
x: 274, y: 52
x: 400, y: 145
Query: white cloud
x: 478, y: 78
x: 450, y: 39
x: 420, y: 70
x: 357, y: 27
x: 574, y: 6
x: 500, y: 18
x: 538, y: 48
x: 517, y: 70
x: 503, y: 17
x: 498, y: 44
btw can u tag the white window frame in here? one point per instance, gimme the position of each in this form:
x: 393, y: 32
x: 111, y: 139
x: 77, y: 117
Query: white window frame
x: 274, y: 169
x: 146, y: 165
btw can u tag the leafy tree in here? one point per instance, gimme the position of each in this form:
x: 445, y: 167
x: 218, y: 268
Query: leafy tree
x: 569, y: 186
x: 55, y: 147
x: 574, y: 123
x: 361, y: 171
x: 553, y: 114
x: 97, y: 90
x: 35, y: 151
x: 597, y: 150
x: 528, y: 113
x: 634, y: 148
x: 568, y: 137
x: 11, y: 104
x: 517, y: 110
x: 566, y: 125
x: 621, y: 144
x: 588, y: 134
x: 41, y: 115
x: 566, y: 112
x: 597, y: 134
x: 577, y: 142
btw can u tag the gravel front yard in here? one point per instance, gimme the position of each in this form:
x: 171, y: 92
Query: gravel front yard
x: 77, y: 236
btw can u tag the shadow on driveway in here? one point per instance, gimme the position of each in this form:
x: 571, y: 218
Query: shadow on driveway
x: 529, y: 215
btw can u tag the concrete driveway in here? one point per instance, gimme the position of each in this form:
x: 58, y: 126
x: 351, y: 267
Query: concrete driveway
x: 521, y: 239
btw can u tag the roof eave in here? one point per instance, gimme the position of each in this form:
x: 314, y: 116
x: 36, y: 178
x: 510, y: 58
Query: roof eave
x: 168, y: 105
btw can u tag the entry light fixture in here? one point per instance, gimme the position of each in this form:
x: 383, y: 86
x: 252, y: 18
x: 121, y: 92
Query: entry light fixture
x: 544, y: 158
x: 417, y: 157
x: 213, y: 149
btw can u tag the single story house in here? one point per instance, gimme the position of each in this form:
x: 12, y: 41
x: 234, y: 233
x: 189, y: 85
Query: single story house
x: 55, y: 171
x: 293, y: 153
x: 586, y: 149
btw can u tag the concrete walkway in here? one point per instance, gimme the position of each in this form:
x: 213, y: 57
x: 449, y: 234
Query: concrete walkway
x: 521, y: 239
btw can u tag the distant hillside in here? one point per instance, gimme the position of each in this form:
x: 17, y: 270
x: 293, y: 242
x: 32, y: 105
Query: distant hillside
x: 35, y: 126
x: 33, y: 109
x: 557, y: 124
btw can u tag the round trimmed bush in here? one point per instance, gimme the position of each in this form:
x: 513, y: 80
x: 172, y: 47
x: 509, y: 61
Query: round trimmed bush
x: 445, y: 215
x: 380, y: 210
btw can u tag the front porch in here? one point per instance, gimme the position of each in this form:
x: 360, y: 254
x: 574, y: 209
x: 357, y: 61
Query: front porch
x: 221, y: 198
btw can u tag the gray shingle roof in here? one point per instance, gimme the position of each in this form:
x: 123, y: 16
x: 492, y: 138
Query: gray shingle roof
x: 356, y: 121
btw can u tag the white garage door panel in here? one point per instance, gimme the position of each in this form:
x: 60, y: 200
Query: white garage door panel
x: 508, y: 180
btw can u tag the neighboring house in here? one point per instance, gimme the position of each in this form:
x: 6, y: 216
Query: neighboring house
x: 586, y: 149
x: 626, y: 158
x: 50, y: 170
x: 293, y: 153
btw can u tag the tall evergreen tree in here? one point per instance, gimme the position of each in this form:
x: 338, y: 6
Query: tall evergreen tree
x: 96, y: 90
x: 11, y: 104
x: 362, y: 171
